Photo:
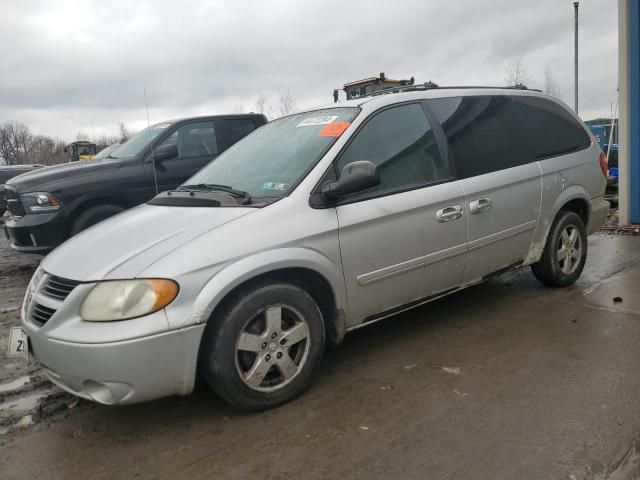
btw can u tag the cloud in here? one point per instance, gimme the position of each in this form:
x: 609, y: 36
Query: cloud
x: 68, y: 65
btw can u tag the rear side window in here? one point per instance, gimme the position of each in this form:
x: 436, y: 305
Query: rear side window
x: 402, y: 144
x: 484, y: 133
x: 554, y: 130
x: 230, y: 130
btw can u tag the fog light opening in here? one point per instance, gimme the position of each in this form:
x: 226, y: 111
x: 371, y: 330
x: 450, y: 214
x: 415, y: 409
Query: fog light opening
x: 106, y: 393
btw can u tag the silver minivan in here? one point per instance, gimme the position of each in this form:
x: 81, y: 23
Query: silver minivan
x: 315, y: 224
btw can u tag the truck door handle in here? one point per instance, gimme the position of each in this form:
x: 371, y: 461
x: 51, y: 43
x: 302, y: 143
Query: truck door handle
x: 447, y: 214
x: 480, y: 205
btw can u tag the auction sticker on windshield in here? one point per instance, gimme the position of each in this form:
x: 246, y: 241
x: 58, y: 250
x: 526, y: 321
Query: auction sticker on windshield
x: 334, y: 129
x: 18, y: 343
x: 309, y: 122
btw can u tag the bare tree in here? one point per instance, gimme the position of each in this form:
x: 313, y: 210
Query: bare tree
x: 124, y: 132
x: 516, y: 73
x: 550, y: 85
x: 287, y: 103
x: 15, y: 140
x: 241, y: 109
x: 263, y: 105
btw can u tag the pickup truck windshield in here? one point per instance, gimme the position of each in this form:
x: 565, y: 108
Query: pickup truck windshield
x: 140, y: 141
x: 272, y: 160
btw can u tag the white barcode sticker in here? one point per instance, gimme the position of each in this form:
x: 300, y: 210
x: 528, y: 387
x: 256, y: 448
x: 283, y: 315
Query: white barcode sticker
x: 309, y: 122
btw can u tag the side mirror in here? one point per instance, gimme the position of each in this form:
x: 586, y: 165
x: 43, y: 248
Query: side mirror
x: 355, y: 177
x: 165, y: 152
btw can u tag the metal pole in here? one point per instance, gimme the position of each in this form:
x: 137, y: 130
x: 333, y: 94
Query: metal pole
x: 575, y: 7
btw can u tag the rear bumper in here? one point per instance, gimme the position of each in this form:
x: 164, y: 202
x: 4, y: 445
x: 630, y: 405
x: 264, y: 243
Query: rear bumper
x: 599, y: 212
x: 35, y: 233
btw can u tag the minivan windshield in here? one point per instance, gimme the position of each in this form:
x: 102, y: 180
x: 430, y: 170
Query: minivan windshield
x: 272, y: 160
x: 140, y: 141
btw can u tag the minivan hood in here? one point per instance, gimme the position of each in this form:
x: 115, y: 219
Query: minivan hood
x: 123, y: 246
x: 40, y: 178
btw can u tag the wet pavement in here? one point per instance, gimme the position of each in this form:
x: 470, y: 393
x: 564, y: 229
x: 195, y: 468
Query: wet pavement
x: 508, y: 379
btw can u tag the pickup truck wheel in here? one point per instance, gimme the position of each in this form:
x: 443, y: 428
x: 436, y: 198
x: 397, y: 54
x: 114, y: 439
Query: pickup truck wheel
x: 565, y: 252
x: 94, y: 215
x: 262, y: 349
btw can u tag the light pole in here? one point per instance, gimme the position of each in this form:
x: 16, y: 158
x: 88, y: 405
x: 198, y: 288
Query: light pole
x: 575, y: 7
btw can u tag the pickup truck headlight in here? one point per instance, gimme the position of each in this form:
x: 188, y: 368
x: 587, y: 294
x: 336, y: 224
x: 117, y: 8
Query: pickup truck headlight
x: 125, y: 299
x: 39, y: 202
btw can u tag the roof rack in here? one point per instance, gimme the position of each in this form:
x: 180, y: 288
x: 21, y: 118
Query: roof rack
x: 432, y: 86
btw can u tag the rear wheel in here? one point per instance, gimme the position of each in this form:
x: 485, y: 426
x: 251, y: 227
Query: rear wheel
x: 263, y: 347
x: 565, y: 252
x: 94, y: 215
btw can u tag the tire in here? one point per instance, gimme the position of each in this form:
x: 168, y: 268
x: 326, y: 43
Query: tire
x: 255, y: 354
x: 556, y: 268
x: 94, y: 215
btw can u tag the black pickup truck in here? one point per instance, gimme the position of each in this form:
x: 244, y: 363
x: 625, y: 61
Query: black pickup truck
x: 50, y: 206
x: 7, y: 172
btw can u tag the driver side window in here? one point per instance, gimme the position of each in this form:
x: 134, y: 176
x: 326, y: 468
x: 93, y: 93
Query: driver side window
x: 194, y: 140
x: 401, y: 143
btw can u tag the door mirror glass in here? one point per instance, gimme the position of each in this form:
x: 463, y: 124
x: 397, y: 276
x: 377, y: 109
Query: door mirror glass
x: 165, y: 152
x: 355, y: 177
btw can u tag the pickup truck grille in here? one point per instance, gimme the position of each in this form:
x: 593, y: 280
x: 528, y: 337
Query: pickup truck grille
x: 14, y: 205
x: 59, y: 288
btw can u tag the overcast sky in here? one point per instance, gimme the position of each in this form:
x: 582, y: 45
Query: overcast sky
x: 67, y: 66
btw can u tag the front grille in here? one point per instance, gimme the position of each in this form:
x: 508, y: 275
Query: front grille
x: 14, y: 205
x: 59, y: 288
x: 41, y: 314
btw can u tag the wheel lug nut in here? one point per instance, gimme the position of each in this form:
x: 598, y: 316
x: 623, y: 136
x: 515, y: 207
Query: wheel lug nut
x: 279, y: 355
x: 274, y: 335
x: 283, y: 341
x: 264, y: 345
x: 267, y: 358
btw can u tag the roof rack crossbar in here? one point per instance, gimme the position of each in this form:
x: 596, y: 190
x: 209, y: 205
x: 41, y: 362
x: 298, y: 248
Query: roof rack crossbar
x: 433, y: 86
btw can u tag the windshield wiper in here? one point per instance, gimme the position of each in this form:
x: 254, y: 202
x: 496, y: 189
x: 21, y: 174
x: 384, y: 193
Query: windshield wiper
x: 214, y: 187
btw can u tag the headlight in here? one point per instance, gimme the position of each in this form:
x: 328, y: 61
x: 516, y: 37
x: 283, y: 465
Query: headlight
x: 39, y: 202
x: 125, y: 299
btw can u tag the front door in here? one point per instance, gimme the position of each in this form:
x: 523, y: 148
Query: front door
x: 404, y: 239
x: 197, y: 146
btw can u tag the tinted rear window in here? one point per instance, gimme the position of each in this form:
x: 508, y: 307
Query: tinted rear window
x: 230, y: 130
x: 554, y: 130
x: 484, y: 133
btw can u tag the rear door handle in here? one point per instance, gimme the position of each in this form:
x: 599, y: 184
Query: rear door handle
x: 480, y: 205
x: 448, y: 214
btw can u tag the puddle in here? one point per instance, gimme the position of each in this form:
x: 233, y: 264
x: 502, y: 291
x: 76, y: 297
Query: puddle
x: 15, y: 384
x: 23, y: 404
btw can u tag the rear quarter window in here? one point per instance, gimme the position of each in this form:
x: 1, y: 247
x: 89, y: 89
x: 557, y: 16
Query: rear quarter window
x: 553, y: 130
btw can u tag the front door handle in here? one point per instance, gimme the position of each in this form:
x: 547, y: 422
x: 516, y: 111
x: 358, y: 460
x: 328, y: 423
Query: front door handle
x: 447, y: 214
x: 480, y: 205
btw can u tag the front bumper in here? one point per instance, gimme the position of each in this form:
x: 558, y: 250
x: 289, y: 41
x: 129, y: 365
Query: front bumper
x: 124, y: 372
x: 36, y: 232
x: 599, y: 212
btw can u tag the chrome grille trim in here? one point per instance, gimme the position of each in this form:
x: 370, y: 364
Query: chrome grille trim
x: 41, y: 314
x: 59, y: 288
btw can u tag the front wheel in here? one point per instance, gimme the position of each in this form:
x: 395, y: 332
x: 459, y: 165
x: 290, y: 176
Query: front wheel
x: 263, y: 347
x: 94, y: 215
x: 565, y: 252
